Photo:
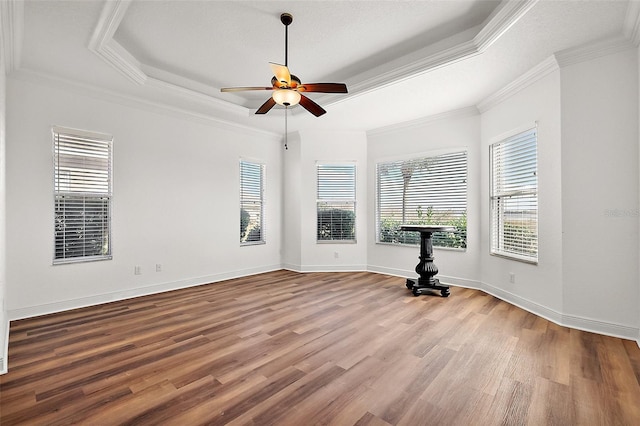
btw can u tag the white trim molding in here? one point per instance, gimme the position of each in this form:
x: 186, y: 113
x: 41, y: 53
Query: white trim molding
x: 104, y: 45
x: 536, y: 73
x: 4, y: 350
x: 82, y: 302
x: 34, y: 77
x: 472, y: 42
x: 631, y: 27
x: 503, y: 18
x: 571, y: 321
x: 594, y: 50
x: 470, y: 111
x: 11, y: 30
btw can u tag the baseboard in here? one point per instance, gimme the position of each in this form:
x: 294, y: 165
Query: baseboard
x: 571, y: 321
x: 600, y: 327
x: 4, y: 350
x: 445, y: 279
x: 50, y: 308
x: 324, y: 268
x: 580, y: 323
x: 521, y: 302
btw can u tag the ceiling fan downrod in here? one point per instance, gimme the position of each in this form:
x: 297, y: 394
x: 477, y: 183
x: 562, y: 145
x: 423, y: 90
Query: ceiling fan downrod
x: 286, y: 19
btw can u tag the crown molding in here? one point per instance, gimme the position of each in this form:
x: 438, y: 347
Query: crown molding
x: 541, y: 70
x: 494, y: 27
x: 189, y: 89
x: 103, y: 44
x: 593, y: 50
x: 11, y: 30
x: 500, y: 21
x: 470, y: 111
x: 35, y: 77
x: 507, y: 14
x: 112, y: 14
x: 631, y: 27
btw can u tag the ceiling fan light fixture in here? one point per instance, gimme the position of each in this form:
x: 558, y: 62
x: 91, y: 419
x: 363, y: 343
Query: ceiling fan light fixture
x: 286, y: 97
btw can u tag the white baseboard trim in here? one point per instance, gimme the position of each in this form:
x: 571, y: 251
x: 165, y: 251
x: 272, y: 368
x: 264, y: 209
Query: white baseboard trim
x: 571, y: 321
x: 521, y: 302
x: 50, y: 308
x: 445, y: 279
x: 4, y: 350
x: 324, y: 268
x: 600, y: 327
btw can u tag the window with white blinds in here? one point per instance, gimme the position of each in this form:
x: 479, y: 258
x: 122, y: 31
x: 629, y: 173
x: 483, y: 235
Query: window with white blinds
x: 336, y: 202
x: 82, y: 195
x: 514, y: 197
x: 251, y: 203
x: 423, y: 191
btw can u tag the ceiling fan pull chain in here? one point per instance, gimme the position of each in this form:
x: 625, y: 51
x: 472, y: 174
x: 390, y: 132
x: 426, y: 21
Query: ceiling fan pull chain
x: 286, y: 129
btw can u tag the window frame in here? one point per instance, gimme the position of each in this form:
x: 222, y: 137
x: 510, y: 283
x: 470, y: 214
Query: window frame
x: 261, y: 201
x: 517, y: 191
x: 86, y: 137
x: 413, y: 239
x: 337, y: 201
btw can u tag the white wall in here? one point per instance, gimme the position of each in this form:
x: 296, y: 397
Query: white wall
x: 537, y: 287
x: 176, y: 198
x: 292, y: 191
x: 305, y: 150
x: 600, y: 190
x: 4, y: 321
x: 454, y: 131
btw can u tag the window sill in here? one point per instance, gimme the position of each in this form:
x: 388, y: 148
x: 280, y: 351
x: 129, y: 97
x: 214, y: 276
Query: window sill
x: 252, y: 243
x: 81, y: 260
x: 516, y: 258
x: 336, y: 242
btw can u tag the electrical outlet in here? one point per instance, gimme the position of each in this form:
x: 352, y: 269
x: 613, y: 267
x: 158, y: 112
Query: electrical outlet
x: 336, y: 255
x: 158, y: 267
x: 512, y: 278
x: 137, y: 270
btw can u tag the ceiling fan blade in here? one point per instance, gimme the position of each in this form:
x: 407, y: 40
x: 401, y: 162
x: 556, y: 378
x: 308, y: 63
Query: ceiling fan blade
x: 323, y: 87
x: 266, y: 106
x: 311, y: 106
x: 282, y: 73
x: 243, y: 89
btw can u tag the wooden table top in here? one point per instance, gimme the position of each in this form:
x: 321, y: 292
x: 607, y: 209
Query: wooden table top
x: 427, y: 228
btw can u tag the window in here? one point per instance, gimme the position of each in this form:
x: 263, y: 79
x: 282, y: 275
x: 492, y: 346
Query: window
x: 423, y: 191
x: 336, y: 202
x: 82, y: 195
x: 514, y: 197
x: 251, y: 203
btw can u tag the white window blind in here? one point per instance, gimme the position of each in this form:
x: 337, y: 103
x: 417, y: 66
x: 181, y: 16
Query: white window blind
x: 82, y: 194
x: 251, y: 203
x: 336, y: 202
x: 423, y: 191
x: 514, y: 197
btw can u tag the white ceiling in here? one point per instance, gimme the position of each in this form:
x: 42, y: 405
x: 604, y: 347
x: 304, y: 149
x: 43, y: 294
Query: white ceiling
x: 401, y: 60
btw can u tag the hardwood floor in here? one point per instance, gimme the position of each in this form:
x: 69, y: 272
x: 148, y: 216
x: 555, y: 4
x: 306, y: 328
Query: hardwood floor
x: 320, y: 348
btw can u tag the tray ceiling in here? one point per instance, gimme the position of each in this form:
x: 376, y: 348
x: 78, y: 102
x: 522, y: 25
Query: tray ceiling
x: 400, y: 59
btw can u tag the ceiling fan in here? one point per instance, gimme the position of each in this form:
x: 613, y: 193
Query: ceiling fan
x: 287, y: 88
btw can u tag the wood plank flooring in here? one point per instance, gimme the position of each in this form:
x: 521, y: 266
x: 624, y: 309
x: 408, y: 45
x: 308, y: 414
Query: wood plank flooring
x: 284, y: 348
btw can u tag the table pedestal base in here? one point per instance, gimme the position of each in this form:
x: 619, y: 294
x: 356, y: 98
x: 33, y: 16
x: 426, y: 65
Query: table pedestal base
x: 418, y: 288
x: 426, y: 269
